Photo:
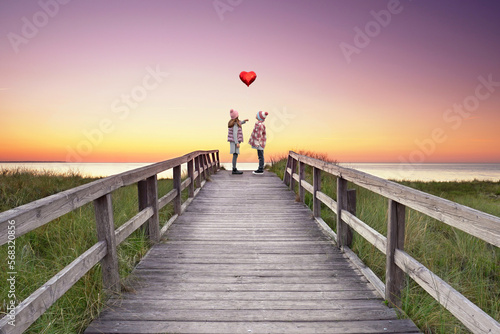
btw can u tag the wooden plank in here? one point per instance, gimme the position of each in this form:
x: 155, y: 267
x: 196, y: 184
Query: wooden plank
x: 124, y: 231
x: 266, y: 265
x: 177, y: 186
x: 341, y: 206
x: 293, y: 175
x: 167, y: 314
x: 307, y: 186
x: 169, y: 197
x: 191, y: 178
x: 231, y: 327
x: 367, y: 232
x: 366, y: 271
x: 471, y: 221
x: 152, y: 198
x: 316, y: 187
x: 38, y: 302
x: 185, y: 183
x: 302, y: 174
x: 106, y: 232
x: 35, y: 214
x: 475, y: 319
x: 394, y: 276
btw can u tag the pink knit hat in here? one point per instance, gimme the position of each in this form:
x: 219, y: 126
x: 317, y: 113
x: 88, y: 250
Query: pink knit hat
x: 261, y: 116
x: 233, y: 114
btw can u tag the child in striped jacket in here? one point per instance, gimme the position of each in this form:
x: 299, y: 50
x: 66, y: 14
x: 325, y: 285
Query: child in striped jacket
x: 235, y: 137
x: 258, y: 139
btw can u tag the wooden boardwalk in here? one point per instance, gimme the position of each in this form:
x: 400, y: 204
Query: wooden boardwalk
x: 245, y: 257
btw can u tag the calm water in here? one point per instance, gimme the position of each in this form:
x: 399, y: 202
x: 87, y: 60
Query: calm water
x: 394, y: 171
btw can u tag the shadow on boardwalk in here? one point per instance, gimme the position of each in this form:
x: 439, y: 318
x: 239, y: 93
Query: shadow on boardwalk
x: 246, y: 258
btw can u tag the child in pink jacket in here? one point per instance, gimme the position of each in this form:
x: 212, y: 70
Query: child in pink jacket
x: 258, y: 139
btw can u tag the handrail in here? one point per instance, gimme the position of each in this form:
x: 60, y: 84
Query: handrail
x: 479, y: 224
x: 200, y: 165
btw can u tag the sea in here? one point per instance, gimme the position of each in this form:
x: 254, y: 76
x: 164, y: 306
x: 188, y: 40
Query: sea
x: 391, y: 171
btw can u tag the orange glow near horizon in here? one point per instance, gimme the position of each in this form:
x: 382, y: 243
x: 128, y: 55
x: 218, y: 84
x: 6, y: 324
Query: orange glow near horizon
x: 105, y: 90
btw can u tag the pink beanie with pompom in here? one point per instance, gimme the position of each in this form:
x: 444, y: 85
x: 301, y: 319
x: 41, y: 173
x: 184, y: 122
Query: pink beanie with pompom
x: 233, y: 113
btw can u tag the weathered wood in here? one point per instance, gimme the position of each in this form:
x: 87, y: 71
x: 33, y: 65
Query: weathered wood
x: 341, y: 205
x: 169, y: 197
x: 39, y: 301
x: 367, y: 272
x: 468, y: 313
x: 286, y: 175
x: 197, y: 171
x: 293, y: 174
x: 106, y: 232
x: 266, y: 265
x: 152, y: 197
x: 316, y: 187
x: 214, y: 162
x: 471, y: 221
x: 35, y: 214
x: 302, y: 175
x: 191, y: 178
x: 124, y: 231
x: 209, y: 164
x: 366, y: 231
x: 185, y: 184
x: 231, y: 327
x: 307, y: 186
x: 394, y: 276
x: 351, y: 208
x: 177, y: 187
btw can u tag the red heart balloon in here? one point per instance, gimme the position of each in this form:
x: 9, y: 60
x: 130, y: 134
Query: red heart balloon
x: 248, y: 77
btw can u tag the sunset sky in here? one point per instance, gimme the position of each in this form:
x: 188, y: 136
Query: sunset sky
x: 148, y: 80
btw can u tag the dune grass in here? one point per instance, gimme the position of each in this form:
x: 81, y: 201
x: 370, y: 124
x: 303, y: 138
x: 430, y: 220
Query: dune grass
x: 468, y: 264
x: 42, y: 253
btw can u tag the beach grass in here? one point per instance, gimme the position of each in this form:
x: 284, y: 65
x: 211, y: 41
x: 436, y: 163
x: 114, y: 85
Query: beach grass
x: 42, y: 253
x: 469, y: 264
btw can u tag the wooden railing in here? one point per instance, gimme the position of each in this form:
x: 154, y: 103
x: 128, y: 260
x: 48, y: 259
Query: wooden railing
x: 479, y: 224
x: 200, y: 165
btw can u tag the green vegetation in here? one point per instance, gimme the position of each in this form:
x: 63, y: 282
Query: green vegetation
x: 42, y: 253
x: 468, y: 264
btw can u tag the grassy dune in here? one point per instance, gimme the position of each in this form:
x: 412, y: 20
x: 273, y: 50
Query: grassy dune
x: 43, y: 252
x: 470, y: 265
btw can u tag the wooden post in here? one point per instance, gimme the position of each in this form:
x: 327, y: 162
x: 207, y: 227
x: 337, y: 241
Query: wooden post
x: 148, y: 197
x: 218, y: 161
x: 351, y: 208
x: 177, y: 185
x: 142, y: 196
x: 286, y: 176
x: 215, y: 163
x: 394, y: 276
x: 106, y: 232
x: 293, y: 167
x: 197, y: 168
x: 302, y: 169
x: 204, y: 164
x: 341, y: 205
x: 209, y: 164
x: 316, y: 187
x: 191, y: 176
